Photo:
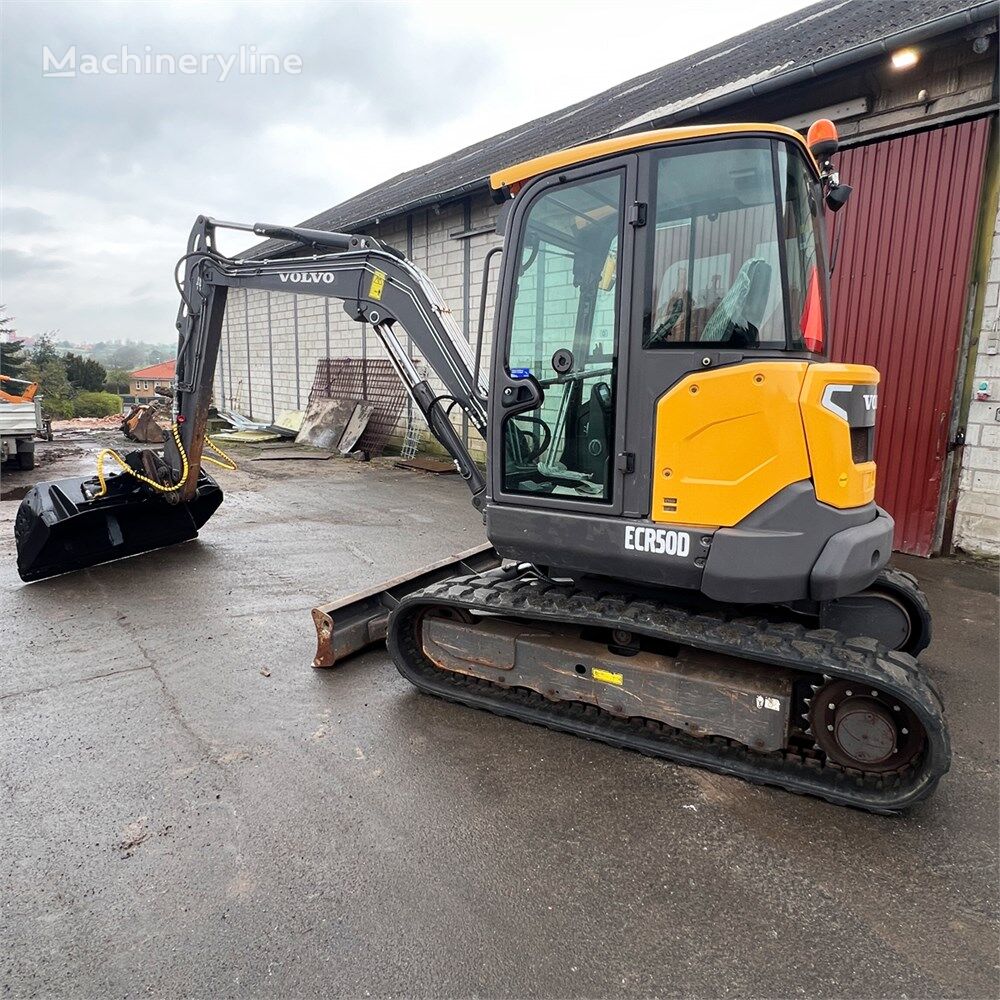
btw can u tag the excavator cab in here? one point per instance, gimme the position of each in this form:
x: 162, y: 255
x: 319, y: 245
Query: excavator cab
x: 660, y: 366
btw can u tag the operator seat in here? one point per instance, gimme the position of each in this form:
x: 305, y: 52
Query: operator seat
x: 738, y: 316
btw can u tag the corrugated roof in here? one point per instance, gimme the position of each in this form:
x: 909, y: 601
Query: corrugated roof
x: 165, y: 369
x: 769, y: 52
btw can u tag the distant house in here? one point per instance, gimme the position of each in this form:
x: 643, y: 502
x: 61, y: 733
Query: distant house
x: 143, y: 382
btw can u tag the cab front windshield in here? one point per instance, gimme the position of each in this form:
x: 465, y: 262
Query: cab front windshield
x: 731, y: 217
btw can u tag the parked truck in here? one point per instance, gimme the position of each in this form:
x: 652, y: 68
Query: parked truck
x: 20, y: 421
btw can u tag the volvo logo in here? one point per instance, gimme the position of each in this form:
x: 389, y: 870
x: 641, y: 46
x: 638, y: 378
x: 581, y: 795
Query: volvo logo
x: 308, y: 277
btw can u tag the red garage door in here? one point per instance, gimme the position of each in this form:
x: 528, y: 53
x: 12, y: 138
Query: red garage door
x: 900, y: 291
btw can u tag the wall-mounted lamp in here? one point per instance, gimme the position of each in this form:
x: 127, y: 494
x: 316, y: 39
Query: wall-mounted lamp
x: 905, y: 58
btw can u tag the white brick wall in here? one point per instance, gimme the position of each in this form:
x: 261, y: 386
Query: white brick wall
x: 306, y: 328
x: 977, y: 518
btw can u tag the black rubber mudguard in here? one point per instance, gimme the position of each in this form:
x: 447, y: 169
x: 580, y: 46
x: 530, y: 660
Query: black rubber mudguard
x: 819, y: 652
x: 59, y: 530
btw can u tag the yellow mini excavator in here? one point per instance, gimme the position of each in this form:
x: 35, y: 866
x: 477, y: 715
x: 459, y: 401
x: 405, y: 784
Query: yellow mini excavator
x: 685, y: 554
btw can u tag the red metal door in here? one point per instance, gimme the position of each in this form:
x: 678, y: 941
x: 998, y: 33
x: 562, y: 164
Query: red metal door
x: 900, y: 290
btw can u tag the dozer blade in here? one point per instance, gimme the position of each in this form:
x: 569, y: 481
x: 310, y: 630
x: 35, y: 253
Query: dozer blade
x: 59, y: 530
x: 353, y: 623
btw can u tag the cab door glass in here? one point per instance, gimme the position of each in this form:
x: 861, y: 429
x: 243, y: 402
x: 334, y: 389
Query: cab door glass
x: 714, y: 264
x: 564, y: 334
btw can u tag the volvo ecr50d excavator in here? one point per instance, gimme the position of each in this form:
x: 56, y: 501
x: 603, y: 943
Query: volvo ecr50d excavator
x: 679, y: 484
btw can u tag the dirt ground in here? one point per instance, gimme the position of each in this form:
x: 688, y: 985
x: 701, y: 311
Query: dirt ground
x: 188, y: 808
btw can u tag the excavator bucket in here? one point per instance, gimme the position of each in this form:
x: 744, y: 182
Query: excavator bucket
x: 59, y: 528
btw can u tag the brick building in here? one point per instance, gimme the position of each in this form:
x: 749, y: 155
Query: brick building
x: 912, y: 85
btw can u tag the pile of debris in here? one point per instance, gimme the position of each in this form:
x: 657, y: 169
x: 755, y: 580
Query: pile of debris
x: 233, y: 426
x: 330, y: 424
x: 87, y: 423
x: 140, y: 422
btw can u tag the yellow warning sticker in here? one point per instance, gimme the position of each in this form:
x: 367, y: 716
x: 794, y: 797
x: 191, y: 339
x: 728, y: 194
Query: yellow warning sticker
x: 378, y: 283
x: 607, y: 676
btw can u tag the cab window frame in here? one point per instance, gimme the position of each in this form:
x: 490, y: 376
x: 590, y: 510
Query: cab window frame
x: 619, y: 173
x: 627, y: 163
x: 818, y: 214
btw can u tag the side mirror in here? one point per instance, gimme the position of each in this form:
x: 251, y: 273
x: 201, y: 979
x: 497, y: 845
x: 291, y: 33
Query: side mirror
x: 823, y: 142
x: 836, y: 197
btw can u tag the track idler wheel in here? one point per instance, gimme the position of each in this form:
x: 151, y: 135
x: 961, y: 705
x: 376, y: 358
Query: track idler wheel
x: 862, y: 728
x: 892, y: 610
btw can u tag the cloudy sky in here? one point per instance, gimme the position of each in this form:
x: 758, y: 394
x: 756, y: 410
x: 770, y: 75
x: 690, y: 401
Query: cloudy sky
x: 104, y: 172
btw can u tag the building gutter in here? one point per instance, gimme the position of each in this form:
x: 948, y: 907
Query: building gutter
x: 780, y: 81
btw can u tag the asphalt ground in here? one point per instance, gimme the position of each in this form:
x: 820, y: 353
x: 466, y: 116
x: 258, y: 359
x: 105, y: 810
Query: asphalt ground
x: 188, y: 808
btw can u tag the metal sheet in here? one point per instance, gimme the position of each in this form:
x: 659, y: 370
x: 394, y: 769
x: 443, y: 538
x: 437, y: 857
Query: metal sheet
x: 904, y: 245
x: 293, y: 455
x: 324, y: 422
x: 355, y: 426
x: 439, y: 466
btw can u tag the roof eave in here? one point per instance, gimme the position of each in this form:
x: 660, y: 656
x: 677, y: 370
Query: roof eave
x: 830, y: 64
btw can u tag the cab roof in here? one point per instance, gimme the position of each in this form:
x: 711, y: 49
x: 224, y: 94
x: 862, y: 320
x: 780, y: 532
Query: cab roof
x: 517, y: 175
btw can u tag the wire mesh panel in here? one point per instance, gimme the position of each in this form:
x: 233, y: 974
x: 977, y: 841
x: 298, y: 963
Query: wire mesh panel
x: 371, y: 379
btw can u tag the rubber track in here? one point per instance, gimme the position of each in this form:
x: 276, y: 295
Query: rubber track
x: 818, y: 652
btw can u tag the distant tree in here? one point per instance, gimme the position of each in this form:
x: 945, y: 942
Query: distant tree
x: 12, y: 356
x: 84, y: 375
x: 54, y: 386
x: 130, y: 356
x: 5, y: 321
x: 117, y: 380
x: 44, y: 350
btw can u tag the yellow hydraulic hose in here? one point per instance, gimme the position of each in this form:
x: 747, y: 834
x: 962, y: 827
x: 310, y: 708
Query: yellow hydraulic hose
x: 106, y: 453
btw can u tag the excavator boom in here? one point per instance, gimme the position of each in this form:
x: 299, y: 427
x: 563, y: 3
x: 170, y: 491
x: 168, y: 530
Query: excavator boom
x: 26, y: 395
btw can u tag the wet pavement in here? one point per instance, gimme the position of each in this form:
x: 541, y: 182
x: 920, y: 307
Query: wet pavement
x: 187, y: 807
